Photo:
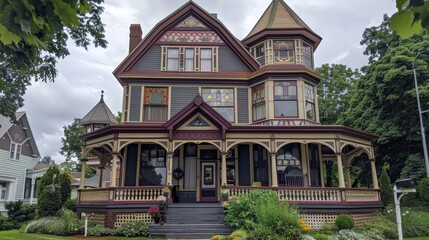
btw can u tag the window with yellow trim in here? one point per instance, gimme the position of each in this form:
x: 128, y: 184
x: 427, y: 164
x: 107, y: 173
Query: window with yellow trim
x: 222, y: 100
x: 258, y: 102
x: 189, y: 59
x: 284, y: 51
x: 155, y: 104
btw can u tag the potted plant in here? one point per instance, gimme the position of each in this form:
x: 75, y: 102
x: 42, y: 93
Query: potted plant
x: 166, y: 191
x: 154, y: 213
x: 162, y: 204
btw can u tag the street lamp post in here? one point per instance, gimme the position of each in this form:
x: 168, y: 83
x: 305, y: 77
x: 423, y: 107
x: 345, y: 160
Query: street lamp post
x: 422, y: 128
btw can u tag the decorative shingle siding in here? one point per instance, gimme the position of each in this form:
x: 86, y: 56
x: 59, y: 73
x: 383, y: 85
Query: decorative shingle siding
x: 243, y: 105
x: 229, y: 62
x: 135, y: 103
x: 151, y: 60
x: 180, y: 97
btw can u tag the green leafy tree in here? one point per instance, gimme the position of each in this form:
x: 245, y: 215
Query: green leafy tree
x: 384, y: 99
x: 49, y: 194
x: 335, y: 90
x: 386, y: 187
x: 423, y: 191
x: 72, y: 144
x: 65, y: 186
x: 33, y: 36
x: 414, y: 167
x: 411, y: 18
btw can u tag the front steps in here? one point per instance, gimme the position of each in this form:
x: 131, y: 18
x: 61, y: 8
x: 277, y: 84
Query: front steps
x: 192, y: 221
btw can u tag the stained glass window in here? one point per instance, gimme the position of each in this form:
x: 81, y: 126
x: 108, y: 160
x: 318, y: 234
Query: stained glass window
x: 285, y: 99
x: 284, y: 51
x: 222, y: 100
x: 155, y: 104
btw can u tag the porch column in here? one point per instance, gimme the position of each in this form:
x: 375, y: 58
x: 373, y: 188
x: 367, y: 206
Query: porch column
x: 82, y: 174
x: 374, y: 174
x: 170, y: 169
x: 274, y: 182
x: 33, y: 182
x: 340, y: 171
x: 223, y: 176
x: 114, y: 166
x: 349, y: 181
x: 100, y: 179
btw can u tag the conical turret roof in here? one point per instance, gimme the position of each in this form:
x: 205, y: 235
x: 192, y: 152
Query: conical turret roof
x: 99, y: 114
x: 279, y: 16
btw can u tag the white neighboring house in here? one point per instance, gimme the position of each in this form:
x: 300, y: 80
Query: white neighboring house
x: 18, y: 157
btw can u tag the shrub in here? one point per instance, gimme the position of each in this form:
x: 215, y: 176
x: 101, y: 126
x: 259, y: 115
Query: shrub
x: 48, y: 194
x: 414, y: 166
x: 65, y: 224
x: 386, y: 188
x: 384, y: 226
x: 4, y: 223
x: 239, y: 234
x: 99, y: 230
x: 39, y: 225
x: 307, y: 237
x: 320, y: 236
x: 64, y: 180
x: 70, y: 204
x: 347, y: 234
x: 415, y: 224
x: 133, y: 229
x: 423, y: 191
x: 19, y: 213
x: 344, y: 222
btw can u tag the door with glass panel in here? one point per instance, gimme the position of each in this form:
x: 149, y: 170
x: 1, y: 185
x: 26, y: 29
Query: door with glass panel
x: 208, y: 182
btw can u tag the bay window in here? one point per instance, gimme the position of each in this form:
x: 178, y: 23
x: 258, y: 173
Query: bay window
x: 284, y: 51
x: 307, y: 55
x: 258, y: 102
x: 155, y: 104
x: 309, y: 102
x: 222, y: 100
x: 259, y: 54
x: 285, y: 99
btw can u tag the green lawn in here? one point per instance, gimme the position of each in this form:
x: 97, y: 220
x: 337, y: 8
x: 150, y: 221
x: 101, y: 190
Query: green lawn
x: 15, y: 234
x: 419, y: 238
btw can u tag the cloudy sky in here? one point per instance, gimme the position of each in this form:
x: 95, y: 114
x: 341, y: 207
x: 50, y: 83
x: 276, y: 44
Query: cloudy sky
x: 83, y: 74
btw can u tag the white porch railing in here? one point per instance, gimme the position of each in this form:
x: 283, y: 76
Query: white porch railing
x: 314, y: 194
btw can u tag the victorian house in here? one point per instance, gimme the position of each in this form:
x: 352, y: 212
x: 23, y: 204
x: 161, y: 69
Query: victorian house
x: 204, y: 112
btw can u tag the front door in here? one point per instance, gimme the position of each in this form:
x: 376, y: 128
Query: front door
x: 208, y: 182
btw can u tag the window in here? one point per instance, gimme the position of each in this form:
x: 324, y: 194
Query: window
x: 285, y: 99
x: 206, y: 59
x: 289, y: 166
x: 3, y: 191
x: 307, y: 54
x: 309, y: 102
x: 15, y: 151
x: 27, y: 189
x: 222, y: 100
x: 153, y: 170
x: 259, y: 54
x: 155, y: 104
x: 173, y: 59
x: 258, y: 102
x: 284, y: 51
x: 189, y: 59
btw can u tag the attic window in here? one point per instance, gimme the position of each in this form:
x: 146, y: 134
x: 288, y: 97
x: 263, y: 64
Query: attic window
x: 284, y: 51
x: 15, y: 151
x: 190, y: 59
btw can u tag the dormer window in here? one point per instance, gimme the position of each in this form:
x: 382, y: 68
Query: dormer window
x: 284, y: 51
x: 189, y: 59
x: 15, y: 151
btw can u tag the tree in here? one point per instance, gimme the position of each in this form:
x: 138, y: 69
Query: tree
x: 414, y: 167
x: 48, y: 194
x: 33, y: 36
x: 47, y: 160
x: 64, y: 180
x: 411, y: 18
x: 384, y: 99
x: 72, y: 144
x: 386, y: 188
x: 335, y: 90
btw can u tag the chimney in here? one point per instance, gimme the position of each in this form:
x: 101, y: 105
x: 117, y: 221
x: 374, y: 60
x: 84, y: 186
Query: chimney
x: 135, y: 36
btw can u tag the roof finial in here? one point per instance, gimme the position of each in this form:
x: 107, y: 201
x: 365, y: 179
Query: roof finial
x: 102, y: 96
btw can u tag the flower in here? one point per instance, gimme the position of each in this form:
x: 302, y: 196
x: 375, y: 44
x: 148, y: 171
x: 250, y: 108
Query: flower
x: 166, y: 189
x: 154, y: 212
x: 229, y: 198
x: 225, y: 205
x: 238, y: 201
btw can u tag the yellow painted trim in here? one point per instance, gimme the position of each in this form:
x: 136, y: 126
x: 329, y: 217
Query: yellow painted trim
x: 141, y: 103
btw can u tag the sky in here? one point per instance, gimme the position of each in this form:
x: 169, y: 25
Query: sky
x: 83, y: 74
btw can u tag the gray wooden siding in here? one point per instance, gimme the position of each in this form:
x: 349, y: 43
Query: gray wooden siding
x: 5, y: 142
x: 16, y: 169
x: 180, y: 97
x: 19, y: 136
x: 230, y: 62
x: 135, y: 103
x: 151, y: 61
x: 243, y: 105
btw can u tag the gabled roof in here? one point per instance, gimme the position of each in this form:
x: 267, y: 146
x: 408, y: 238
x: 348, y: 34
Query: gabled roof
x: 99, y: 114
x: 6, y: 124
x: 279, y: 16
x: 190, y: 8
x: 197, y: 106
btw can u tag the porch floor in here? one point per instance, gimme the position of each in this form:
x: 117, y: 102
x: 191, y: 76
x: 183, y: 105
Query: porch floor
x: 192, y: 221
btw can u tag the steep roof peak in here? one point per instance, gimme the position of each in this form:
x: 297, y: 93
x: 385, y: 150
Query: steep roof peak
x: 100, y: 113
x: 278, y: 15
